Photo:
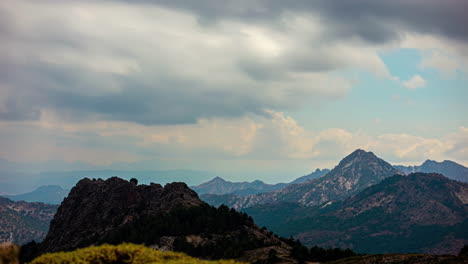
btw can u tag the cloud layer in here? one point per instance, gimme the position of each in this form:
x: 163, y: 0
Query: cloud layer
x: 174, y: 62
x: 183, y: 82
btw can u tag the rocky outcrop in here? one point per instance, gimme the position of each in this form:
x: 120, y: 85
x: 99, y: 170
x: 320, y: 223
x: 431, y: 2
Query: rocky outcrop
x: 94, y: 208
x: 21, y: 222
x: 169, y: 218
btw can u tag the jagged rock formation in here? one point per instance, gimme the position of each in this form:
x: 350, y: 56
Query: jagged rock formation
x: 94, y: 208
x: 21, y: 222
x: 449, y: 169
x: 49, y: 194
x: 425, y: 213
x: 354, y: 173
x: 170, y: 217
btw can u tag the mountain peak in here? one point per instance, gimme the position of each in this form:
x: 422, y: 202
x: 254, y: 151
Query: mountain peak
x: 218, y: 179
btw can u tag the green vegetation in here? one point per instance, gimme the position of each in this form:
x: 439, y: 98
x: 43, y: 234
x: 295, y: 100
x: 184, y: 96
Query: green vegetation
x: 124, y: 253
x: 204, y: 221
x: 316, y: 254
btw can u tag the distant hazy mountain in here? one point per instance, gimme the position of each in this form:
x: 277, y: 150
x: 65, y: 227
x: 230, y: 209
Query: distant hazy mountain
x: 354, y: 173
x: 21, y: 222
x: 450, y: 169
x: 18, y: 182
x: 220, y: 186
x: 314, y: 175
x: 415, y: 213
x: 50, y: 194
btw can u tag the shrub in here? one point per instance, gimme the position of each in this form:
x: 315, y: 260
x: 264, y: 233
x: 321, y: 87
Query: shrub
x: 123, y: 253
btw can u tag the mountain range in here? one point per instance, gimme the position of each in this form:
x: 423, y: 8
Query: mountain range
x: 357, y: 171
x: 220, y: 186
x: 425, y: 213
x: 364, y: 203
x: 449, y: 169
x: 21, y: 222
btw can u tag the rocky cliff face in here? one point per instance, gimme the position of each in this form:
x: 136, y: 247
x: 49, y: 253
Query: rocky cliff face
x: 94, y: 208
x: 354, y: 173
x: 21, y: 222
x: 170, y: 217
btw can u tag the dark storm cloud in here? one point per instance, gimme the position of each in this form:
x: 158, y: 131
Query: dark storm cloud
x: 376, y: 21
x: 44, y: 65
x: 165, y: 102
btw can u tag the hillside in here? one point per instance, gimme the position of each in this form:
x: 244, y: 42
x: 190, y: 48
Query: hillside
x: 449, y: 169
x: 50, y: 194
x: 423, y: 213
x: 170, y: 217
x: 354, y: 173
x: 21, y: 222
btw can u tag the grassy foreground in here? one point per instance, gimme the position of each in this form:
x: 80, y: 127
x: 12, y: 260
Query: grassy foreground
x: 124, y: 253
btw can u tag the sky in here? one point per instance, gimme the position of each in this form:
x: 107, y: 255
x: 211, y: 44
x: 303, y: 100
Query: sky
x: 252, y: 89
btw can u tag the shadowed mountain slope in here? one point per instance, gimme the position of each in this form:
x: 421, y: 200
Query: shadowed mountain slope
x: 425, y: 213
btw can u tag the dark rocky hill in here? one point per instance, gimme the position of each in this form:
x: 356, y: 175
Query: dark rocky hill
x: 422, y: 213
x: 449, y: 169
x: 170, y: 217
x: 22, y: 222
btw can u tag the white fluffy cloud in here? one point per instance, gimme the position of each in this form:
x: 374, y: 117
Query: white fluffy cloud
x: 217, y: 141
x: 415, y: 82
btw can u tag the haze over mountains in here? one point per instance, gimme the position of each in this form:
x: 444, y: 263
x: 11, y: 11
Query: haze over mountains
x: 220, y: 186
x: 364, y: 203
x: 49, y: 194
x: 355, y: 172
x: 450, y: 169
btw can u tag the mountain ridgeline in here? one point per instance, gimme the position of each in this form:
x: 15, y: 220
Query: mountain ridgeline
x: 49, y: 194
x: 449, y: 169
x: 219, y: 186
x: 354, y: 173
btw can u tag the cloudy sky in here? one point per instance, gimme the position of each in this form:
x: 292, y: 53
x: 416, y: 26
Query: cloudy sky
x: 247, y: 89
